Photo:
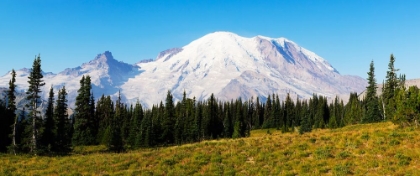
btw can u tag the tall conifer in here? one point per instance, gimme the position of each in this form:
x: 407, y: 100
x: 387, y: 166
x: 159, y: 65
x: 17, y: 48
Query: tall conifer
x: 33, y: 96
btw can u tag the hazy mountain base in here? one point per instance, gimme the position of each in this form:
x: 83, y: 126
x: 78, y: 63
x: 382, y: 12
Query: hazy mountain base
x: 369, y: 149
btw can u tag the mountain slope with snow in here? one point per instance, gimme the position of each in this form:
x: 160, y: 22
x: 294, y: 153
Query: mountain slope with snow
x: 231, y: 66
x: 222, y: 63
x: 107, y: 75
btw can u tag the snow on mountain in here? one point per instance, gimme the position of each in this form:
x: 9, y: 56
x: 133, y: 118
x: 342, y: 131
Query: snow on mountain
x: 107, y: 74
x: 231, y: 66
x: 223, y: 63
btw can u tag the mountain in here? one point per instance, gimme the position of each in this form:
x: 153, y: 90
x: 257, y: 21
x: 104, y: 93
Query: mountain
x: 231, y: 66
x: 107, y: 75
x: 223, y: 63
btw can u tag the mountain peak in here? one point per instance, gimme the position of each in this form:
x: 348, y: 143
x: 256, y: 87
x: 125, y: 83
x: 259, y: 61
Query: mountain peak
x: 107, y: 55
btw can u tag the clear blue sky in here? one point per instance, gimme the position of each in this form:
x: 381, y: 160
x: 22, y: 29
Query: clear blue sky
x: 349, y: 34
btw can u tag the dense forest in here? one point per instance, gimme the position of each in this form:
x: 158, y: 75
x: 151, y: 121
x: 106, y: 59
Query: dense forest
x: 122, y: 127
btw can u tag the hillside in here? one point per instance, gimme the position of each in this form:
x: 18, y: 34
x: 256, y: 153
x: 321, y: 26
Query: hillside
x: 370, y: 149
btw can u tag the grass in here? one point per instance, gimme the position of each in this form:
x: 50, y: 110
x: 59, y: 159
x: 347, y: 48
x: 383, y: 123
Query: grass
x: 371, y: 149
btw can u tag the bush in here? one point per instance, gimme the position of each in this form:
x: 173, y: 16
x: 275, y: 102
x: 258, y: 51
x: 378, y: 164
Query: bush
x: 323, y: 153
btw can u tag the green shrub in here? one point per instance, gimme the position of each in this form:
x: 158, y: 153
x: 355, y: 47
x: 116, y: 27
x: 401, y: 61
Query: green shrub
x: 343, y: 155
x: 402, y: 159
x: 323, y: 153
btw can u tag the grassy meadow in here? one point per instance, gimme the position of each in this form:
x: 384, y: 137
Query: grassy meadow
x: 368, y: 149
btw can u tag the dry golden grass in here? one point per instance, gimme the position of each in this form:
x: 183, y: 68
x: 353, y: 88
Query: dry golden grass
x: 371, y: 149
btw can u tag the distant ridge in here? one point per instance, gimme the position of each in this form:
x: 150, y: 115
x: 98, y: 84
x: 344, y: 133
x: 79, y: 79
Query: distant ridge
x: 222, y: 63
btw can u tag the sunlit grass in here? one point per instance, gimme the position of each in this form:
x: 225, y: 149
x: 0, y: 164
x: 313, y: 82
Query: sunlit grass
x: 371, y: 149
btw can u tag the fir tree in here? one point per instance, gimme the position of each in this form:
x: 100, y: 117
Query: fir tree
x: 63, y: 126
x: 306, y: 125
x: 8, y: 117
x: 104, y: 114
x: 48, y: 136
x: 135, y: 124
x: 391, y: 84
x: 228, y: 126
x: 115, y: 143
x: 169, y: 120
x: 267, y: 114
x: 83, y: 126
x: 372, y: 103
x: 33, y: 96
x: 353, y: 110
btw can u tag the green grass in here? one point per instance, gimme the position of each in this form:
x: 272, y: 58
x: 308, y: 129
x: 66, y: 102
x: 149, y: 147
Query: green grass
x: 371, y: 149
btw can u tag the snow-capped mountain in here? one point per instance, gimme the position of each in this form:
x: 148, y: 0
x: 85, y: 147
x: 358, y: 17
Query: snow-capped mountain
x: 223, y: 63
x: 107, y: 75
x: 231, y: 66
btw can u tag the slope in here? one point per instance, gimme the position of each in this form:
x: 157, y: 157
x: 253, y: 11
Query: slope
x: 368, y: 149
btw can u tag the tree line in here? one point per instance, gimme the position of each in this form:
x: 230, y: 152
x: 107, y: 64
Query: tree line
x: 121, y: 127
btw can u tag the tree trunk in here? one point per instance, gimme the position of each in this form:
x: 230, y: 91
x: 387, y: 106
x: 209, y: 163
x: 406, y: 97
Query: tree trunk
x: 14, y: 136
x: 34, y: 130
x: 383, y: 107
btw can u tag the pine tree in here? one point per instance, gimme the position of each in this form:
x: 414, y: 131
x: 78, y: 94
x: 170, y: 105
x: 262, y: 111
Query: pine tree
x: 115, y: 143
x: 11, y: 97
x: 239, y: 120
x: 213, y: 120
x: 228, y: 125
x: 135, y: 124
x: 289, y: 119
x: 34, y: 98
x: 8, y: 117
x: 372, y: 103
x: 333, y: 122
x: 62, y: 143
x: 391, y: 84
x: 267, y: 114
x: 169, y: 120
x: 83, y: 127
x: 48, y: 136
x: 353, y: 111
x: 104, y: 114
x: 198, y: 121
x: 306, y: 125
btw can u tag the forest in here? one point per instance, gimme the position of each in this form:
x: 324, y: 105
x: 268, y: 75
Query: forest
x: 121, y: 127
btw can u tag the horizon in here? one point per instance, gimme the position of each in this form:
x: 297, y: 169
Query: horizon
x: 346, y: 34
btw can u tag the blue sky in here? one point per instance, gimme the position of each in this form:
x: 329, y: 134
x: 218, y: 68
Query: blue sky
x: 349, y: 34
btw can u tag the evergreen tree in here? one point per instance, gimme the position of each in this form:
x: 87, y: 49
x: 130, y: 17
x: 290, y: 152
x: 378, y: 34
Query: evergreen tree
x: 169, y: 120
x: 104, y: 114
x: 83, y: 126
x: 227, y: 122
x: 115, y: 143
x: 11, y: 97
x: 63, y: 128
x: 372, y: 103
x: 391, y: 83
x: 333, y: 121
x: 48, y: 136
x: 306, y: 125
x: 8, y: 116
x: 238, y: 120
x: 353, y: 111
x: 198, y: 121
x: 267, y: 114
x: 135, y: 124
x: 407, y: 106
x: 289, y: 117
x: 33, y: 96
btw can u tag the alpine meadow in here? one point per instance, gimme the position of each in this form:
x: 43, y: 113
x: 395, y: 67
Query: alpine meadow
x: 182, y: 95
